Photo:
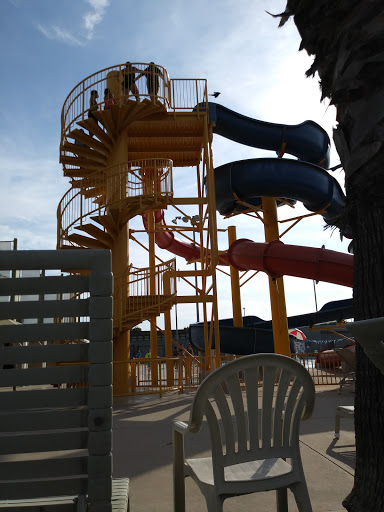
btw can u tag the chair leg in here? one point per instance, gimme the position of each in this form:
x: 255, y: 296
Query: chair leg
x: 282, y: 499
x: 178, y: 473
x: 214, y: 502
x: 337, y: 425
x: 179, y: 496
x: 301, y: 494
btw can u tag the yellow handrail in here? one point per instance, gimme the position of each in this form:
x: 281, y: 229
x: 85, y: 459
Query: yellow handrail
x: 135, y: 295
x: 151, y: 177
x: 112, y: 188
x: 188, y: 373
x: 175, y: 94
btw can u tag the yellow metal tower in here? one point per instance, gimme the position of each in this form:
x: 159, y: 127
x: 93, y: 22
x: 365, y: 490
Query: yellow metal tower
x: 124, y: 130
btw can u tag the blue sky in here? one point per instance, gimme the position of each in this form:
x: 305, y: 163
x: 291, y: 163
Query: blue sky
x: 48, y: 47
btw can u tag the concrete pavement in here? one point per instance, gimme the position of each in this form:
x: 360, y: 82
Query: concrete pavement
x: 143, y: 452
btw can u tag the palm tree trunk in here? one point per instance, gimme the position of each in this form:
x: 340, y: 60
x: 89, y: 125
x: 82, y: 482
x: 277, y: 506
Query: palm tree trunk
x: 347, y: 40
x: 368, y: 227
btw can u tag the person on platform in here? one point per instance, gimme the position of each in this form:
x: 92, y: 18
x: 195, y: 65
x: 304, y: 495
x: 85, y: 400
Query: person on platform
x: 148, y: 356
x: 93, y: 107
x: 128, y: 83
x: 152, y: 75
x: 108, y: 99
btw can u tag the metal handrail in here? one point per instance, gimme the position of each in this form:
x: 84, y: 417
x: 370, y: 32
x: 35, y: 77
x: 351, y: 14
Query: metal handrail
x: 142, y: 289
x: 151, y: 177
x: 175, y: 94
x: 187, y: 372
x: 139, y: 280
x: 77, y: 205
x: 112, y: 188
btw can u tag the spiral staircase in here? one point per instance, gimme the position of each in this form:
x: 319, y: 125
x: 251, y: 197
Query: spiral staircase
x: 120, y: 166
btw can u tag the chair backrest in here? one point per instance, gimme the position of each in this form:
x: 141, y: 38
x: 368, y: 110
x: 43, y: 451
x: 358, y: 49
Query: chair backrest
x: 56, y: 428
x: 253, y: 407
x: 370, y: 335
x: 348, y: 355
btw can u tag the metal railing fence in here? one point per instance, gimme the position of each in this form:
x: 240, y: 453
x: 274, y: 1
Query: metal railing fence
x: 142, y: 290
x: 141, y: 178
x: 188, y: 372
x: 113, y: 188
x: 151, y: 82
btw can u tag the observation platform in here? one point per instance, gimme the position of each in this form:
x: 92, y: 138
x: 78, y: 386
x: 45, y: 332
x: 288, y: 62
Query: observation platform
x: 168, y: 125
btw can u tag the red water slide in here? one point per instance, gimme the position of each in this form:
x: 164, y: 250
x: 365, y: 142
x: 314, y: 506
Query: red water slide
x: 275, y: 258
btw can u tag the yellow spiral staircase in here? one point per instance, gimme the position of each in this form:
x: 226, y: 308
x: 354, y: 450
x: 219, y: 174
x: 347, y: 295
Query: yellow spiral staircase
x: 120, y: 166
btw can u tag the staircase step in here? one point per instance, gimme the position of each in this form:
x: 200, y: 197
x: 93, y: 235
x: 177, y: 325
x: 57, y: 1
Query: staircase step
x: 89, y: 180
x: 89, y: 141
x: 99, y: 234
x: 105, y: 118
x: 145, y: 310
x: 82, y: 162
x: 100, y: 200
x: 134, y: 209
x: 108, y: 222
x: 146, y: 108
x: 81, y: 172
x: 147, y: 302
x: 129, y: 113
x: 134, y: 111
x: 86, y: 242
x: 80, y: 150
x: 124, y: 115
x: 91, y: 125
x: 119, y: 116
x: 93, y: 191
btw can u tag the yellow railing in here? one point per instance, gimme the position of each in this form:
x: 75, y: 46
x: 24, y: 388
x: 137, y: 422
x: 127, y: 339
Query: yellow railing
x: 113, y: 188
x: 141, y: 292
x: 78, y: 204
x: 323, y: 372
x: 188, y: 93
x: 175, y: 95
x: 188, y: 372
x: 143, y: 178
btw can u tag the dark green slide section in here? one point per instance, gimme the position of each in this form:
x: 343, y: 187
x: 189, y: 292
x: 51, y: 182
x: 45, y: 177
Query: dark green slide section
x: 307, y: 141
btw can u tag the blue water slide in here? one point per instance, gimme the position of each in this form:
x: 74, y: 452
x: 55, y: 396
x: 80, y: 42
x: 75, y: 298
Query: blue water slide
x: 303, y: 180
x: 307, y: 141
x: 250, y: 180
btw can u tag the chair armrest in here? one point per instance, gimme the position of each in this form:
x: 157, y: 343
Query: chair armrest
x: 181, y: 427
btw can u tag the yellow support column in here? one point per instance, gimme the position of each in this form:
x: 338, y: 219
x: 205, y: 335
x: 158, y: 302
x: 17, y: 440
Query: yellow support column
x: 120, y: 261
x: 152, y: 291
x: 168, y: 332
x: 214, y: 254
x: 121, y: 339
x: 276, y: 285
x: 235, y: 284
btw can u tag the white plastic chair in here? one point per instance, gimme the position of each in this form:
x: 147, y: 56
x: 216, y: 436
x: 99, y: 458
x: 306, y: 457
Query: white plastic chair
x: 343, y: 411
x: 253, y: 407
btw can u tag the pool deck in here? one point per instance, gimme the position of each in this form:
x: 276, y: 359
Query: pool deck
x: 143, y: 452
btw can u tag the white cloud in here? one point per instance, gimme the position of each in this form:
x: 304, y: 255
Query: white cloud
x: 31, y: 190
x: 91, y: 18
x: 59, y: 34
x: 95, y: 16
